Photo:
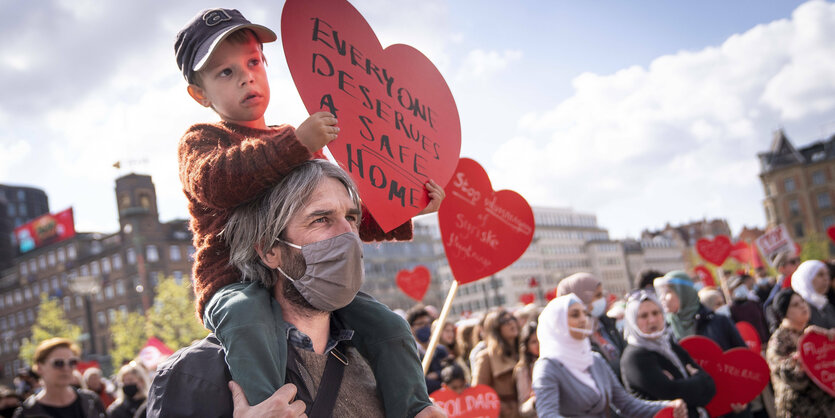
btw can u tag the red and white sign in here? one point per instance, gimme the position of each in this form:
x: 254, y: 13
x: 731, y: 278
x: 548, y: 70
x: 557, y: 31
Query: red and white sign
x: 479, y: 401
x: 399, y: 125
x: 750, y: 335
x: 483, y: 231
x: 705, y: 275
x: 714, y: 251
x: 153, y: 353
x: 44, y: 230
x: 817, y: 355
x: 775, y: 241
x: 741, y: 251
x: 739, y: 373
x: 527, y: 298
x: 414, y: 282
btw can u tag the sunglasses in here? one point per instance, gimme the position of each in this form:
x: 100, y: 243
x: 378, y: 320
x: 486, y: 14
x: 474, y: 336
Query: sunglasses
x: 60, y: 363
x: 793, y: 261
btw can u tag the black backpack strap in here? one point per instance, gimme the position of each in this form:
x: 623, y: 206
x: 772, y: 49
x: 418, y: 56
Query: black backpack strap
x: 329, y: 385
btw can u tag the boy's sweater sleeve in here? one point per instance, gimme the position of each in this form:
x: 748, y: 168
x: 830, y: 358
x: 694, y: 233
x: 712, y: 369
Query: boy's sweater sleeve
x: 221, y: 170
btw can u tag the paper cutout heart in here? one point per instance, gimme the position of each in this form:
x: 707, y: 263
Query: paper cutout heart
x: 551, y: 294
x: 739, y: 373
x: 706, y: 276
x: 414, y: 283
x: 830, y: 232
x: 527, y: 298
x: 475, y: 402
x: 483, y: 231
x: 741, y: 252
x: 665, y: 413
x: 750, y: 335
x: 714, y: 251
x: 399, y: 125
x: 817, y: 355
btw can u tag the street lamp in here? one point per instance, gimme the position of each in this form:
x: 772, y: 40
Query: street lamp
x: 87, y: 286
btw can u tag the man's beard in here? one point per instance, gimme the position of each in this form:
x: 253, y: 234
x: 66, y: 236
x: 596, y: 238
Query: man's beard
x: 295, y: 267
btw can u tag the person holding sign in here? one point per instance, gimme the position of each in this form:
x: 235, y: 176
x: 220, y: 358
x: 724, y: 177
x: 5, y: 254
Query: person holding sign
x: 653, y: 366
x: 795, y: 395
x: 570, y: 380
x: 811, y: 282
x: 232, y: 162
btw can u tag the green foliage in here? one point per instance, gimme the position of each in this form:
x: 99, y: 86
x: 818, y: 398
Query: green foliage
x: 128, y: 333
x: 172, y: 317
x: 49, y: 323
x: 815, y: 248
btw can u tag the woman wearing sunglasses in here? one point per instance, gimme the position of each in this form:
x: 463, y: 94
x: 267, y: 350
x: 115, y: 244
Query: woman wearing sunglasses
x: 55, y: 359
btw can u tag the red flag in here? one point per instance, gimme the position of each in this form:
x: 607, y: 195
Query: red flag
x: 154, y: 352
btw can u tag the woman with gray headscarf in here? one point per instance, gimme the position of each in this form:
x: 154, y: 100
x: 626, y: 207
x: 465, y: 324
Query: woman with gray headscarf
x: 811, y: 281
x: 653, y: 366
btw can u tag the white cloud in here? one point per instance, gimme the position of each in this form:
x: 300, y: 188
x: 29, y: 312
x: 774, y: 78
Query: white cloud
x: 480, y: 64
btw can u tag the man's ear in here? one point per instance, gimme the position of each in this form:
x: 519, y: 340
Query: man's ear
x: 271, y: 258
x: 199, y: 95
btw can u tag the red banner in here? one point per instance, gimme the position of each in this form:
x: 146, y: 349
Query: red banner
x: 44, y: 230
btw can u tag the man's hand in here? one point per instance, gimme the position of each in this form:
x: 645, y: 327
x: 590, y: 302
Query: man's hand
x: 436, y: 196
x: 738, y: 407
x: 431, y: 411
x: 679, y: 408
x: 277, y: 406
x: 317, y: 131
x: 690, y: 369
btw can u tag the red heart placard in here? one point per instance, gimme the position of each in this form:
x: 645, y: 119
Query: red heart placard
x: 741, y: 252
x: 750, y: 335
x: 817, y: 355
x: 739, y: 373
x: 414, y: 282
x: 527, y: 298
x: 831, y: 232
x: 483, y: 231
x: 479, y: 401
x: 706, y: 276
x: 551, y: 294
x: 714, y: 251
x: 665, y: 413
x: 399, y: 125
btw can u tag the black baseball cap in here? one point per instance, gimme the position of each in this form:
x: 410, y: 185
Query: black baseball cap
x: 199, y: 38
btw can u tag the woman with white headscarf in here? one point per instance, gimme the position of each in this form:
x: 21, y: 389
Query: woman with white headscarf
x: 811, y: 281
x: 570, y: 380
x: 653, y: 366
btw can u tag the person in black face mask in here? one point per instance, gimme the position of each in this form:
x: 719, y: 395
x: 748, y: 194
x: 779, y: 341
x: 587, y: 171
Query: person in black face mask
x: 9, y: 401
x: 420, y: 321
x: 132, y: 397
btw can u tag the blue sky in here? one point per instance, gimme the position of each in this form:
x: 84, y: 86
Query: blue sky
x: 639, y: 112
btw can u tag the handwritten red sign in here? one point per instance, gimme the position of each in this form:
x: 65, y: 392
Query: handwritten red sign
x: 817, y: 355
x: 714, y: 251
x: 527, y: 298
x: 706, y: 276
x: 414, y: 282
x: 750, y: 335
x: 483, y: 231
x: 399, y: 125
x: 739, y: 373
x: 479, y: 401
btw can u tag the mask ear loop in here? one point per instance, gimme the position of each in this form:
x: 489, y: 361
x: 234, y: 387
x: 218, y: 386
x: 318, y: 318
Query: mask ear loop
x: 289, y: 244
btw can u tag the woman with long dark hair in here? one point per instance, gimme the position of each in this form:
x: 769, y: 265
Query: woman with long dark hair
x: 494, y: 365
x: 523, y: 373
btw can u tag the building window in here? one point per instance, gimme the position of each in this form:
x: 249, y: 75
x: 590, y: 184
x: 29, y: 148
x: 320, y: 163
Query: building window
x: 33, y: 266
x: 823, y: 201
x: 71, y: 252
x: 117, y: 262
x: 102, y: 318
x: 85, y: 271
x: 789, y: 184
x: 178, y: 277
x: 174, y: 253
x: 94, y: 268
x: 828, y: 221
x: 105, y: 265
x: 24, y: 269
x: 61, y: 257
x: 818, y: 178
x: 108, y: 292
x: 67, y: 304
x: 131, y: 256
x: 50, y: 258
x: 794, y: 207
x: 120, y: 287
x: 42, y: 262
x: 798, y: 229
x: 152, y: 253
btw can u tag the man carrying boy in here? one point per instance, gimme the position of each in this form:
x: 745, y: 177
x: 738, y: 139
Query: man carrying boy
x: 226, y: 164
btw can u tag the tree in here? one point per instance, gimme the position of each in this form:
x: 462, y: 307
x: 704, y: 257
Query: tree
x: 815, y: 248
x: 128, y: 333
x: 172, y: 318
x: 49, y: 323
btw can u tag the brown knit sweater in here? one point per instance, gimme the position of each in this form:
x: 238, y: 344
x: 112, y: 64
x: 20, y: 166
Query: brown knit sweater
x: 223, y: 165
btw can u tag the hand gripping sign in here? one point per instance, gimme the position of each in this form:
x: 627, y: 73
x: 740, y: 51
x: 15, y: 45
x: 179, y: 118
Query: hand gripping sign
x: 399, y: 125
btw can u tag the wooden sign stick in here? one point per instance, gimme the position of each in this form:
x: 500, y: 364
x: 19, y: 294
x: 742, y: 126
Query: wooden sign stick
x: 720, y: 273
x: 436, y: 334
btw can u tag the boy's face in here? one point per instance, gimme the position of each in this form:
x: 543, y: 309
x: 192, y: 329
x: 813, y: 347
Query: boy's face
x: 234, y: 83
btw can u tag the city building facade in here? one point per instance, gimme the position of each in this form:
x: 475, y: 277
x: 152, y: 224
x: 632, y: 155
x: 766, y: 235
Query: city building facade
x: 18, y: 205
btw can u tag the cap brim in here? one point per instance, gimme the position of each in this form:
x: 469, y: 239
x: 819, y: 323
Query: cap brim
x: 204, y: 52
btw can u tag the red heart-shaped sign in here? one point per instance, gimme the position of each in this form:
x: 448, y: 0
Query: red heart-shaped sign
x: 742, y: 252
x: 551, y: 294
x: 817, y: 354
x: 706, y: 276
x: 483, y: 231
x: 475, y: 402
x: 714, y: 251
x: 739, y: 373
x: 831, y: 232
x: 399, y: 125
x: 665, y: 413
x: 527, y: 298
x: 414, y: 283
x: 750, y: 335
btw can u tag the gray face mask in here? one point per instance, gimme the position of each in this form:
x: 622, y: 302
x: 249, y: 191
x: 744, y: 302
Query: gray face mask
x: 334, y: 271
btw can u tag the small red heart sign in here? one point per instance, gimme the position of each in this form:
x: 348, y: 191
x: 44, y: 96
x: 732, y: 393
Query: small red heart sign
x: 479, y: 401
x: 399, y: 126
x: 414, y: 283
x: 739, y: 373
x: 741, y: 252
x: 817, y: 355
x: 706, y: 276
x: 831, y: 232
x: 527, y: 298
x: 483, y: 231
x: 750, y: 335
x: 551, y: 294
x: 714, y: 251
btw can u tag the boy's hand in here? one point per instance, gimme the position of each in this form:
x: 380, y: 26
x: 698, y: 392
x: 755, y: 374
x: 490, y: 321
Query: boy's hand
x: 317, y: 131
x: 436, y: 196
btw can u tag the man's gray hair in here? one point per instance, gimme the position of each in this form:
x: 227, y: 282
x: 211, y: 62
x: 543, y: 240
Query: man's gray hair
x: 261, y: 222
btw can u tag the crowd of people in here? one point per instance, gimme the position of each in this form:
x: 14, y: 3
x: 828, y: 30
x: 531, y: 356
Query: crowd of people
x: 589, y: 354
